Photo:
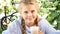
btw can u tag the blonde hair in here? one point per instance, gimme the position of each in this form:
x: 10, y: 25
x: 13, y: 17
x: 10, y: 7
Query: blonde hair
x: 27, y: 2
x: 23, y: 25
x: 22, y: 3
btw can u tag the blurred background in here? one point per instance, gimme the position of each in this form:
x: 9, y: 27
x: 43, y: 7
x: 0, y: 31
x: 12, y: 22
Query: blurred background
x: 48, y: 9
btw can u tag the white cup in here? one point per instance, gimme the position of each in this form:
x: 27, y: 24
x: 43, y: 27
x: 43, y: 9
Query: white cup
x: 34, y: 29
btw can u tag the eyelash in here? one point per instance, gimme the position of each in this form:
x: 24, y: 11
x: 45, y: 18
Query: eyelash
x: 27, y: 11
x: 32, y: 11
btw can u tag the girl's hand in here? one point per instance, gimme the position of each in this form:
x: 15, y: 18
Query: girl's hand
x: 39, y: 32
x: 35, y: 30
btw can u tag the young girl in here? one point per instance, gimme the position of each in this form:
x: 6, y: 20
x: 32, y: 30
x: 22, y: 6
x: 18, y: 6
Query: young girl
x: 28, y: 17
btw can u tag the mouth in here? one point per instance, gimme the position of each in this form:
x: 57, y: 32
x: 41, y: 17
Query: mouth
x: 29, y: 18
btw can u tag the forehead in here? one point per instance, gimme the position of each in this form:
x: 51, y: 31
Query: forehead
x: 28, y: 7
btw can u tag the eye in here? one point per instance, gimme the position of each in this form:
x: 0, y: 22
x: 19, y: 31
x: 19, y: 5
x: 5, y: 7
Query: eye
x: 26, y: 12
x: 32, y: 11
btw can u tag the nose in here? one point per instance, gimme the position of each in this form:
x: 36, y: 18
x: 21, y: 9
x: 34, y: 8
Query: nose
x: 29, y: 14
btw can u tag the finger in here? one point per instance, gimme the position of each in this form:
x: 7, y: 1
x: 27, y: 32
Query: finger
x: 40, y: 32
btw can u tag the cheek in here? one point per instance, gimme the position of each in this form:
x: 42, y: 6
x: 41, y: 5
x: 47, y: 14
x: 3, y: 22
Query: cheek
x: 34, y: 15
x: 24, y: 16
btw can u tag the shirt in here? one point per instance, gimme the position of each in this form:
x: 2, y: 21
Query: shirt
x: 44, y: 26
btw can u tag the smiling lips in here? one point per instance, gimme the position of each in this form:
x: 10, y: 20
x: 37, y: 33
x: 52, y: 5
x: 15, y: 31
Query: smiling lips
x: 29, y: 18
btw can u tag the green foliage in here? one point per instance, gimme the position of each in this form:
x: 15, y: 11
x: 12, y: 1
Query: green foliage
x: 0, y: 31
x: 0, y: 11
x: 8, y: 6
x: 52, y: 8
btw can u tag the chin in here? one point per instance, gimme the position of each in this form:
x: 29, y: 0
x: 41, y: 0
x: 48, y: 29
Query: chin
x: 31, y: 21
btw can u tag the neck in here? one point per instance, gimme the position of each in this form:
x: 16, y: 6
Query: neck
x: 31, y: 24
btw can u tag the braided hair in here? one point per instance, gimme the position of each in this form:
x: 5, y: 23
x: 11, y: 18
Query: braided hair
x: 23, y: 25
x: 23, y: 22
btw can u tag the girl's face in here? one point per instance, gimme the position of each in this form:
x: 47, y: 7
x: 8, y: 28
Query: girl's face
x: 29, y: 14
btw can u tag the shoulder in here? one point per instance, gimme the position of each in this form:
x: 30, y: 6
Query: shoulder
x: 18, y: 20
x: 13, y: 26
x: 42, y: 21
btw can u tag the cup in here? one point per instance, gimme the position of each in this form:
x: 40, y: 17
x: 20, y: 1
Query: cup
x: 34, y: 29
